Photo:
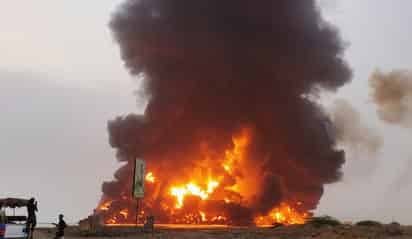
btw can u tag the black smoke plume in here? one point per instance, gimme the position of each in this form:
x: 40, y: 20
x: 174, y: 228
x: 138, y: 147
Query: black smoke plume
x: 213, y: 67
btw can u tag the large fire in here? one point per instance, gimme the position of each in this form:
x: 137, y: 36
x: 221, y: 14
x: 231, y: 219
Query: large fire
x: 232, y: 130
x: 203, y: 196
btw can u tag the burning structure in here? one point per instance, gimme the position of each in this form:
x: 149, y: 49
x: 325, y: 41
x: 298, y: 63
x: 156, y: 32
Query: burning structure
x: 232, y: 133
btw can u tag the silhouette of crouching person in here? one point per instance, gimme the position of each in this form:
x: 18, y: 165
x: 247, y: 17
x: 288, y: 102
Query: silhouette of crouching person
x: 61, y: 225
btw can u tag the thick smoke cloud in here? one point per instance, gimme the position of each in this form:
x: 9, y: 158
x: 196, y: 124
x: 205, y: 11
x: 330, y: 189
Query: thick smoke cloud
x: 392, y: 93
x: 351, y: 130
x: 212, y: 68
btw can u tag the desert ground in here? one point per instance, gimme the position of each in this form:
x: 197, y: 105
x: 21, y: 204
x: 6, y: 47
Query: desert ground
x: 370, y: 230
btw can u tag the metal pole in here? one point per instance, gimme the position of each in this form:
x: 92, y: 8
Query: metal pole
x: 137, y: 199
x: 137, y: 211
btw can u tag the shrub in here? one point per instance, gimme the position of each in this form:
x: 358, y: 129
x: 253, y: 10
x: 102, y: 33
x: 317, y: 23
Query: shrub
x: 394, y: 229
x: 324, y: 221
x: 369, y: 223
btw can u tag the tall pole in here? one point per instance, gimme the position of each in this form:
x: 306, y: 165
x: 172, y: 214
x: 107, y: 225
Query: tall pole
x: 137, y: 199
x: 138, y: 184
x: 137, y: 211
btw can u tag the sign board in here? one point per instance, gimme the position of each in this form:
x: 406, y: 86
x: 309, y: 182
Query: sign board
x: 139, y: 176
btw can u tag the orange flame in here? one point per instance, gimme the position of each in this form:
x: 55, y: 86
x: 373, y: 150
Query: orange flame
x: 205, y: 189
x: 150, y: 177
x: 232, y: 156
x: 105, y: 206
x: 203, y: 215
x: 191, y: 188
x: 124, y: 212
x: 283, y: 214
x: 214, y: 186
x: 180, y: 192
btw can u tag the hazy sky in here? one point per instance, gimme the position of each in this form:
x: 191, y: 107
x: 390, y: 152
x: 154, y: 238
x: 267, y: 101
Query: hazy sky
x: 61, y: 79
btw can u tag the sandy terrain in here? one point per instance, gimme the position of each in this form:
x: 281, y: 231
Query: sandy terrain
x: 290, y: 232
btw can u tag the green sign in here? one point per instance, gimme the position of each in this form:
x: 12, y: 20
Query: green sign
x: 139, y: 175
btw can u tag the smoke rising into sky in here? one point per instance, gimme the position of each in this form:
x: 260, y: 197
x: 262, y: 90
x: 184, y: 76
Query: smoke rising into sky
x: 211, y: 69
x: 352, y: 131
x: 75, y: 48
x: 392, y: 94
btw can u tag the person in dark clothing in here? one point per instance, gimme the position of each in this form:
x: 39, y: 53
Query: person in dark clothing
x: 3, y: 218
x: 61, y: 225
x: 31, y: 218
x: 149, y: 224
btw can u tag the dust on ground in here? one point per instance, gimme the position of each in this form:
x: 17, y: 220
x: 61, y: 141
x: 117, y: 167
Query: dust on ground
x: 391, y: 231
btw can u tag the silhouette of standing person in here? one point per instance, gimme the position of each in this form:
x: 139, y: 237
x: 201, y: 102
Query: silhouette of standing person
x: 3, y: 218
x: 31, y: 219
x: 3, y: 221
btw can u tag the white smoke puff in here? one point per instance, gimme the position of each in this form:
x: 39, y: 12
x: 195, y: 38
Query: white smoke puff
x: 330, y: 5
x: 392, y: 93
